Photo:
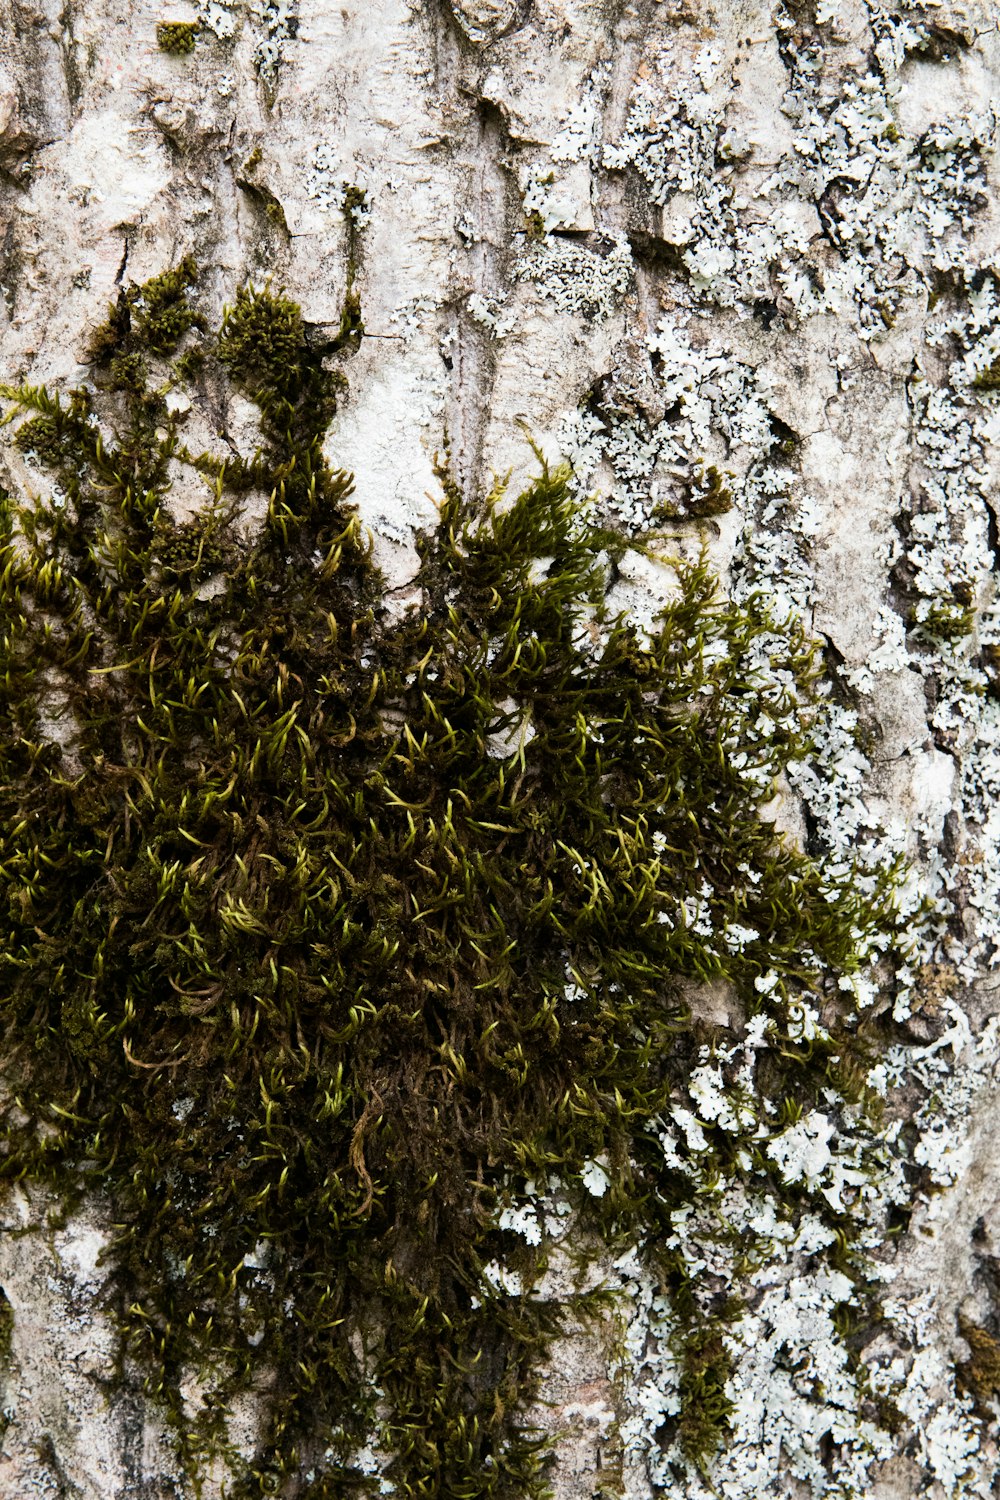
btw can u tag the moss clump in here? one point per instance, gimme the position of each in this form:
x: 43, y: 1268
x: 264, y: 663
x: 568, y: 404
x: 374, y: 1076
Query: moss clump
x: 150, y: 319
x: 707, y: 496
x: 989, y: 378
x: 534, y: 225
x: 980, y: 1373
x: 321, y: 928
x: 356, y: 203
x: 262, y: 340
x: 949, y: 618
x: 6, y: 1327
x: 177, y: 37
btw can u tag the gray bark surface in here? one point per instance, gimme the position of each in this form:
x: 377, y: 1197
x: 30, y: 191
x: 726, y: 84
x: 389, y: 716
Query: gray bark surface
x: 652, y: 238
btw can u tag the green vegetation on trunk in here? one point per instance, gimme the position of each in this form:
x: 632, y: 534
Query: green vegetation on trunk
x: 322, y: 928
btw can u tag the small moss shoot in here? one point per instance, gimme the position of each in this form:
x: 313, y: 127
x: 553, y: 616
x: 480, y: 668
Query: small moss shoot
x: 322, y: 927
x: 6, y: 1328
x: 707, y: 495
x: 534, y: 225
x: 988, y: 379
x: 949, y: 618
x: 980, y: 1373
x: 177, y: 37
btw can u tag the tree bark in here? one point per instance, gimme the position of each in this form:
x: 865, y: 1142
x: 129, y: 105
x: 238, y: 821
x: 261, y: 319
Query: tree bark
x: 736, y: 264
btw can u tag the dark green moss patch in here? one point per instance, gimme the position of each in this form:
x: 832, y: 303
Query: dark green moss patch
x: 321, y: 929
x: 980, y: 1373
x: 989, y: 378
x: 948, y: 618
x: 177, y: 37
x: 151, y: 319
x: 707, y: 495
x: 6, y: 1328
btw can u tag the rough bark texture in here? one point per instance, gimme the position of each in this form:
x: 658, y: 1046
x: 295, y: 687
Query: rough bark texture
x: 655, y: 238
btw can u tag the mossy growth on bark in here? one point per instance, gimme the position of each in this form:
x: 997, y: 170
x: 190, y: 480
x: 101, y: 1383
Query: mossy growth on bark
x: 322, y: 926
x: 177, y: 37
x: 708, y: 495
x: 980, y: 1373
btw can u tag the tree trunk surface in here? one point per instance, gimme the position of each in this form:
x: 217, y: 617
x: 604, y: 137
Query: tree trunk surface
x: 737, y: 265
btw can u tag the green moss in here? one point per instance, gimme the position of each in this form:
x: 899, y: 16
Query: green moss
x: 262, y: 339
x: 707, y: 496
x: 322, y: 928
x: 355, y: 200
x: 705, y: 1402
x: 148, y: 319
x: 189, y: 365
x: 989, y: 378
x: 6, y: 1327
x: 177, y: 37
x: 42, y: 437
x: 949, y: 618
x: 980, y: 1373
x: 991, y: 664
